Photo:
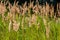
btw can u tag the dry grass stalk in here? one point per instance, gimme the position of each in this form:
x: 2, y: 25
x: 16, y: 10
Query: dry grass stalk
x: 10, y: 24
x: 47, y: 9
x: 15, y: 25
x: 24, y: 9
x: 36, y: 9
x: 47, y: 27
x: 31, y: 5
x: 51, y: 11
x: 2, y: 10
x: 33, y: 19
x: 47, y: 31
x: 44, y: 11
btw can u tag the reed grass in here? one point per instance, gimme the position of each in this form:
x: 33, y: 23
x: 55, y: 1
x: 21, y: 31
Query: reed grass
x: 32, y: 22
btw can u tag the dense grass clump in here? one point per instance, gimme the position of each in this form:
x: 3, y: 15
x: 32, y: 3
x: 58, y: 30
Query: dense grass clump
x: 28, y: 22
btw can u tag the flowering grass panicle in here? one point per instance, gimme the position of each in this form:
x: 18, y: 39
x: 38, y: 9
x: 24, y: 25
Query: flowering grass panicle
x: 15, y: 25
x: 2, y: 10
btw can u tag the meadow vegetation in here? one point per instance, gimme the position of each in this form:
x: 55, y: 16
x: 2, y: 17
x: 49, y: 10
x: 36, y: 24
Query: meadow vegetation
x: 32, y: 22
